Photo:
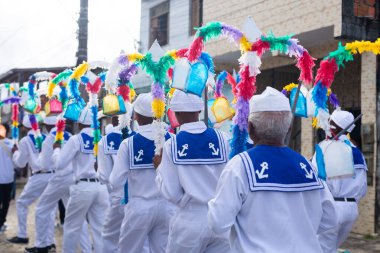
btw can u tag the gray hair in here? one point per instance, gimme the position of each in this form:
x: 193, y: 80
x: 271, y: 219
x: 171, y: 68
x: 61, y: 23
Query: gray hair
x: 271, y: 126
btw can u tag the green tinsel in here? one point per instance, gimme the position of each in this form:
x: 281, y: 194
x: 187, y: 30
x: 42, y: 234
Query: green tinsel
x: 157, y: 70
x: 62, y: 76
x: 277, y: 43
x: 340, y: 55
x: 209, y: 31
x: 97, y: 135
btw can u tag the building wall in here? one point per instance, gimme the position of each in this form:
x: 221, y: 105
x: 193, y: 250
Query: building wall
x: 179, y: 21
x: 281, y: 17
x: 366, y: 221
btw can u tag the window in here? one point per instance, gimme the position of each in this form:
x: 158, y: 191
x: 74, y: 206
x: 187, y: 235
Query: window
x: 196, y: 14
x: 365, y: 8
x: 159, y: 24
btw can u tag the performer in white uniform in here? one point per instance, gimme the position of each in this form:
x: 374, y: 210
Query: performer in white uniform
x: 57, y: 188
x: 88, y: 197
x: 187, y: 176
x: 108, y: 147
x: 6, y: 175
x: 348, y: 190
x: 147, y: 214
x: 27, y: 153
x: 270, y: 198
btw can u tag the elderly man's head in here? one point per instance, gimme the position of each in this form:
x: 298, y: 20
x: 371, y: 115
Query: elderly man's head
x: 270, y: 118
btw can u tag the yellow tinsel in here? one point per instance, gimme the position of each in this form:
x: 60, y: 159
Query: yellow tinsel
x: 15, y: 123
x: 132, y: 94
x: 290, y: 87
x: 315, y: 122
x: 134, y: 57
x: 96, y: 149
x: 363, y: 46
x: 64, y: 84
x: 328, y: 92
x: 173, y: 54
x: 79, y: 71
x: 245, y: 45
x: 59, y: 136
x: 158, y: 108
x: 51, y: 87
x: 171, y: 92
x: 11, y: 88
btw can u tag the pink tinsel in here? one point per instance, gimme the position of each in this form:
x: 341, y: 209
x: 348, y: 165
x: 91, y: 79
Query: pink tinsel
x: 170, y: 73
x: 305, y: 64
x: 123, y: 91
x: 61, y: 123
x: 195, y: 49
x: 260, y: 47
x: 246, y: 87
x: 95, y: 87
x: 326, y: 72
x: 14, y: 112
x: 182, y: 52
x: 231, y: 80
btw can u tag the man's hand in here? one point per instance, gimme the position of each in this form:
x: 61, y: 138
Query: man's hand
x: 157, y: 160
x: 14, y: 148
x: 57, y: 145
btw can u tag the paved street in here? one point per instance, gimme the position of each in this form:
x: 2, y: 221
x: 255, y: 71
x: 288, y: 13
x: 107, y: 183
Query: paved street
x: 355, y: 244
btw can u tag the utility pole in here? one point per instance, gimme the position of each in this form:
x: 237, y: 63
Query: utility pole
x: 82, y: 32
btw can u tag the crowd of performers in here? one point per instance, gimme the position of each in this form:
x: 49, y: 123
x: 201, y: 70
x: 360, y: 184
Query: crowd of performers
x: 177, y: 183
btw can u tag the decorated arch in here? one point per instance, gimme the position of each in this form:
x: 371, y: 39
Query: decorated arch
x: 249, y: 68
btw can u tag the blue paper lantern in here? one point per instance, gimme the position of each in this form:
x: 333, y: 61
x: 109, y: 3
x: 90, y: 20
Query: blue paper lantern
x: 301, y: 107
x: 190, y: 78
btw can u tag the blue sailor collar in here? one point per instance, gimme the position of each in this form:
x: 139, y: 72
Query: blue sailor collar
x: 206, y: 147
x: 141, y: 151
x: 86, y: 143
x: 279, y: 169
x: 33, y: 141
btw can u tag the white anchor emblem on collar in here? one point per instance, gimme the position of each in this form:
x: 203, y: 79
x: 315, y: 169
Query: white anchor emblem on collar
x: 111, y: 146
x: 264, y: 167
x: 87, y: 144
x: 138, y: 158
x: 182, y: 152
x: 214, y: 151
x: 309, y: 174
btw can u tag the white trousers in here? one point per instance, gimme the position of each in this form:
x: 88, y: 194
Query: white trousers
x: 87, y: 200
x: 347, y: 215
x: 57, y: 188
x: 145, y: 219
x: 112, y: 223
x: 189, y: 232
x: 32, y: 191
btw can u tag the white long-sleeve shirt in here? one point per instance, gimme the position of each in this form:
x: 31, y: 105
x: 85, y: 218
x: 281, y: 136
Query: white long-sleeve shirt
x: 348, y: 187
x: 269, y: 221
x: 183, y: 184
x: 140, y: 181
x: 82, y: 163
x: 6, y: 163
x: 27, y: 154
x: 45, y: 158
x: 105, y: 166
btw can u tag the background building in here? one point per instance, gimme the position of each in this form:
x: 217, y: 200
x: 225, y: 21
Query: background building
x: 319, y: 25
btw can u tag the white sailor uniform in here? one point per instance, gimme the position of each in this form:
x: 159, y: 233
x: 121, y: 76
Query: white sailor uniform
x: 57, y: 188
x: 27, y: 153
x: 347, y: 192
x: 88, y: 197
x: 271, y: 200
x: 147, y: 214
x: 108, y: 147
x: 187, y: 176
